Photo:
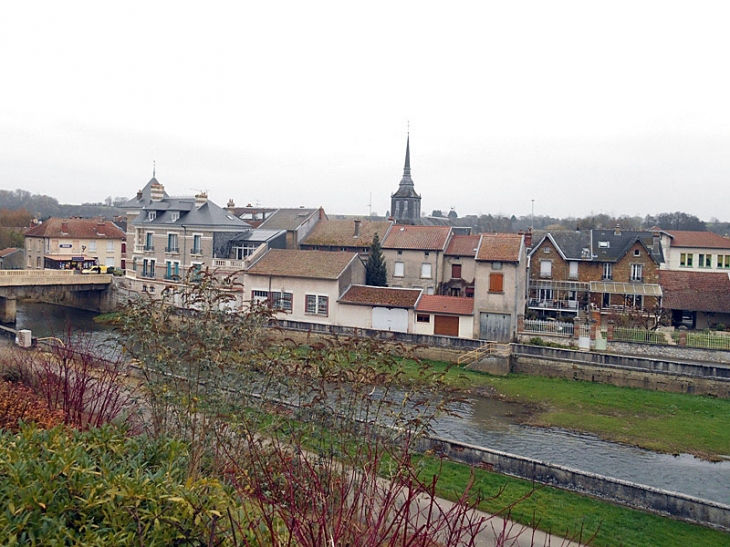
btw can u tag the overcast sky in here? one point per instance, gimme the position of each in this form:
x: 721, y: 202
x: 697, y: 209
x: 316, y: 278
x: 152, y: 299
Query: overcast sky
x: 584, y: 107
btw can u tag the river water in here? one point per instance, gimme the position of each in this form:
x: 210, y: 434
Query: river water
x: 491, y: 423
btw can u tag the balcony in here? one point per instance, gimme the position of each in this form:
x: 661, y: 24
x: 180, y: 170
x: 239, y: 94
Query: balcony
x: 172, y: 250
x: 196, y: 251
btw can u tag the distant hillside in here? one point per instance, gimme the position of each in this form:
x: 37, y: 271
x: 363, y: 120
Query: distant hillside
x: 43, y: 207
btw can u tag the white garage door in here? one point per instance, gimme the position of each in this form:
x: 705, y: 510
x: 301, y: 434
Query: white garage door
x: 392, y: 319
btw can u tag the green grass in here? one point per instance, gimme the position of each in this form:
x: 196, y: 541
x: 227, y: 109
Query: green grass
x: 660, y: 421
x: 570, y: 515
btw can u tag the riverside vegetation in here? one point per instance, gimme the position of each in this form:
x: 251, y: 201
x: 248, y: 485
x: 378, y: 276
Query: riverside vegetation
x: 228, y: 435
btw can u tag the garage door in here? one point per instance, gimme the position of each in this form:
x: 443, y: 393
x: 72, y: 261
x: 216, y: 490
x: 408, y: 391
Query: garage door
x: 446, y: 325
x: 392, y: 319
x: 495, y: 327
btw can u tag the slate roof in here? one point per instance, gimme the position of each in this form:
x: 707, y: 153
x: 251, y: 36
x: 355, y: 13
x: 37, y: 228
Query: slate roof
x: 452, y: 305
x: 309, y: 264
x: 570, y: 243
x: 143, y: 197
x: 500, y: 247
x: 288, y: 219
x: 463, y: 245
x: 208, y: 215
x: 424, y: 238
x: 82, y: 228
x: 707, y: 240
x: 341, y: 233
x: 390, y: 297
x: 695, y: 291
x: 619, y: 242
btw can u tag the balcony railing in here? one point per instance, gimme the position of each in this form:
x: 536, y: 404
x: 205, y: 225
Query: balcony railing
x: 175, y: 249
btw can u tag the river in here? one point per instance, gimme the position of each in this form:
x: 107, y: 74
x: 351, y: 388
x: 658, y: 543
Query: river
x: 492, y: 423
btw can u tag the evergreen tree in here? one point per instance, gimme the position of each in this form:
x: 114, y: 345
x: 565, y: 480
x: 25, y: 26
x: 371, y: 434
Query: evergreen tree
x: 375, y: 273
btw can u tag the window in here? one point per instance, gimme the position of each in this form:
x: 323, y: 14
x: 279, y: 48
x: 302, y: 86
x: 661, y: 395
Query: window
x: 546, y: 268
x: 172, y: 270
x: 259, y: 296
x: 197, y: 245
x: 637, y: 272
x: 545, y: 294
x: 398, y: 269
x: 172, y: 246
x: 426, y: 254
x: 705, y: 261
x: 423, y: 318
x: 92, y: 246
x: 281, y: 301
x: 604, y: 244
x: 247, y: 249
x: 723, y: 261
x: 690, y: 260
x: 148, y: 268
x: 425, y: 271
x: 496, y: 282
x: 429, y: 290
x: 496, y: 265
x: 637, y: 252
x: 456, y: 271
x: 149, y: 241
x: 634, y: 300
x: 110, y: 246
x: 316, y: 305
x: 174, y: 216
x: 573, y: 269
x: 151, y: 215
x: 607, y: 270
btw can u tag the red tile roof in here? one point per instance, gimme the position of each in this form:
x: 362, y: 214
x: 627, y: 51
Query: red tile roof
x: 426, y: 238
x: 390, y: 297
x: 695, y: 291
x: 82, y: 228
x: 708, y: 240
x: 341, y: 233
x: 463, y: 245
x: 500, y: 247
x: 311, y: 264
x: 453, y: 305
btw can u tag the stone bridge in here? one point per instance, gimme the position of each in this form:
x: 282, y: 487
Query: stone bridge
x: 67, y: 287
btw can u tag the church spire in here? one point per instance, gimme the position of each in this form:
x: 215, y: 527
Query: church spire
x: 407, y: 180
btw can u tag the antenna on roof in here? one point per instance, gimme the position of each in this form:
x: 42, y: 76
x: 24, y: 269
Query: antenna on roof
x: 154, y: 167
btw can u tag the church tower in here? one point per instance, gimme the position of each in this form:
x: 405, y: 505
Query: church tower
x: 405, y: 204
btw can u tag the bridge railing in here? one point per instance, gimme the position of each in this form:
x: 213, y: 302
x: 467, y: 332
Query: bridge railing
x: 15, y: 278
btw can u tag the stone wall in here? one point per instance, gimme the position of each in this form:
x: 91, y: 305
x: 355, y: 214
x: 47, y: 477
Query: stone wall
x: 642, y: 497
x: 674, y: 352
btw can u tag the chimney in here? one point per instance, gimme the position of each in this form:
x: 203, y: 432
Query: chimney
x: 357, y: 227
x: 64, y: 226
x: 528, y: 238
x: 231, y: 205
x: 139, y: 195
x: 201, y: 199
x: 617, y: 230
x: 157, y: 191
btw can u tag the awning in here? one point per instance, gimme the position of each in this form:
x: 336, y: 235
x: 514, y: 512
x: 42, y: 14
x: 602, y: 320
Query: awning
x: 616, y: 287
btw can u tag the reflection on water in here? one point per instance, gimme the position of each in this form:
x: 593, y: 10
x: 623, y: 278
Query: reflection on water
x: 490, y: 423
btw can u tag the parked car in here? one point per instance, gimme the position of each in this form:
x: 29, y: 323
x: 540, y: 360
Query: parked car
x: 99, y: 269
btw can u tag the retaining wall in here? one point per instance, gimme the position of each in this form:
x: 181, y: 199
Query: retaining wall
x: 642, y: 497
x: 621, y: 370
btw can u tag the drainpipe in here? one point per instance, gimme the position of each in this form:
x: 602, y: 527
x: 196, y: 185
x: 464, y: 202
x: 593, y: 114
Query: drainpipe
x: 185, y: 248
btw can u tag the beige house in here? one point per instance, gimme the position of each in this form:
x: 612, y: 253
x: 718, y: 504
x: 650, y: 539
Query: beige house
x: 695, y: 251
x: 414, y: 256
x: 304, y: 285
x: 171, y: 236
x: 445, y: 316
x: 459, y: 266
x: 380, y: 308
x: 500, y: 286
x: 74, y: 243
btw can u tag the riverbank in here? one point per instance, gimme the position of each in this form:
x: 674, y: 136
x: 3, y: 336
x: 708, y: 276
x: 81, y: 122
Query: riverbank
x: 671, y: 423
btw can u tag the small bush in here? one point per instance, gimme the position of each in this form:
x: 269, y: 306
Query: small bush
x: 19, y: 403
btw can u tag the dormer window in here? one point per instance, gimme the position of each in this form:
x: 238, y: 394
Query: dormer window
x: 604, y: 244
x: 174, y: 216
x: 151, y: 215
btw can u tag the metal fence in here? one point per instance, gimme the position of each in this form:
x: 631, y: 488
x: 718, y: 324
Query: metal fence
x: 556, y: 328
x: 626, y: 334
x: 708, y: 340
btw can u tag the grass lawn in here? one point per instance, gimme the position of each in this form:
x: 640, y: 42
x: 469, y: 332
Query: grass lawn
x: 568, y: 514
x: 659, y: 421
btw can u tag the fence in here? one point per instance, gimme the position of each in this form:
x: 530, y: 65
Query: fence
x: 708, y: 340
x: 539, y: 326
x: 626, y: 334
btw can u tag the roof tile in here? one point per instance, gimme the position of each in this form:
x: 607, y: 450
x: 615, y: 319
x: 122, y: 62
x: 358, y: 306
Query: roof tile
x: 82, y: 228
x: 310, y: 264
x: 453, y: 305
x: 500, y: 247
x: 427, y: 238
x: 390, y: 297
x: 708, y: 240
